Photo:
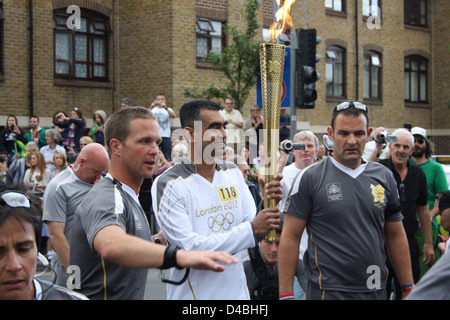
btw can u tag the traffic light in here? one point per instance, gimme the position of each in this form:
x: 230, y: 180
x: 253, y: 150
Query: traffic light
x: 305, y: 68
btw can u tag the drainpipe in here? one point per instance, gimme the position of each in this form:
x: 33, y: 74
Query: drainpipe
x: 31, y: 71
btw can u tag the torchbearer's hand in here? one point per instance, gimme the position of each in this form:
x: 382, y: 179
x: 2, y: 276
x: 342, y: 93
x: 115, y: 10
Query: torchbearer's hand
x: 272, y: 189
x: 266, y: 220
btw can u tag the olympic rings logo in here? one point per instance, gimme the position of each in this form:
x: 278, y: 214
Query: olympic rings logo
x: 220, y: 222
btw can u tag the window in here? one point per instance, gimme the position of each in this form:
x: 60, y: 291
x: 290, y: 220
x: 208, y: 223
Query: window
x: 210, y: 37
x: 81, y: 54
x: 416, y: 12
x: 372, y: 75
x: 335, y: 5
x: 371, y: 8
x: 416, y: 79
x: 335, y: 69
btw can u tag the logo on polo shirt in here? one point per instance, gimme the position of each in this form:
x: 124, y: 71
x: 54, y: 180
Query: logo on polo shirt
x: 378, y: 195
x: 334, y: 191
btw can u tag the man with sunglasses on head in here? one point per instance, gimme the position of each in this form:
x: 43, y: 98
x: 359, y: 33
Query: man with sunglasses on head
x: 412, y: 188
x: 436, y: 183
x: 20, y: 230
x: 351, y: 211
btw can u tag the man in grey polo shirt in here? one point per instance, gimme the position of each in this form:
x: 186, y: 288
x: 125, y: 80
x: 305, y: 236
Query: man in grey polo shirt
x: 110, y: 240
x: 351, y: 211
x: 61, y: 198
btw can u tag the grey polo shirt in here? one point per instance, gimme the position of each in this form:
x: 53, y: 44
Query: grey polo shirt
x: 346, y: 211
x: 108, y: 204
x: 62, y: 196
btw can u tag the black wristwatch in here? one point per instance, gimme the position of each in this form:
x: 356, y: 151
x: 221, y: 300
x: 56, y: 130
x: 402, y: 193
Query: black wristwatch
x: 156, y: 239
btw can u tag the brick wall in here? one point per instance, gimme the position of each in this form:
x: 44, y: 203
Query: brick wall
x: 49, y: 96
x: 14, y: 87
x: 153, y: 50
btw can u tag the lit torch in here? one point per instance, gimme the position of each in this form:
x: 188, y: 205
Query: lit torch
x: 272, y: 58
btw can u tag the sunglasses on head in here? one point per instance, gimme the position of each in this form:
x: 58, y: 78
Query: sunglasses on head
x: 346, y: 104
x: 15, y: 199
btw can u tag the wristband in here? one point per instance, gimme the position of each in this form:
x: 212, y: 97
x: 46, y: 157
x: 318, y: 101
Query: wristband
x: 170, y: 258
x: 286, y: 296
x: 406, y: 288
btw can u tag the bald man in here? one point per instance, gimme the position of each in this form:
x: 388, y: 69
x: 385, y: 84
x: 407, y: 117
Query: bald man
x: 61, y: 198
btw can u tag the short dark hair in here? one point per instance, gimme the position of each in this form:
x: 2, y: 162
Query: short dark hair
x: 350, y: 111
x: 190, y: 111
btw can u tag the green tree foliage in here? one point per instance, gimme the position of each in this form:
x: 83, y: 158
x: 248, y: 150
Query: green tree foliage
x: 239, y: 62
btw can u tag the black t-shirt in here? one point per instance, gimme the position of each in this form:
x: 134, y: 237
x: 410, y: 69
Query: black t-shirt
x: 413, y: 193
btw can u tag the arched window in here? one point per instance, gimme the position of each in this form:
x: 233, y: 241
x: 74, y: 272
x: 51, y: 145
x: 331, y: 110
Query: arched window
x: 416, y: 79
x: 335, y: 71
x: 372, y: 75
x: 81, y: 54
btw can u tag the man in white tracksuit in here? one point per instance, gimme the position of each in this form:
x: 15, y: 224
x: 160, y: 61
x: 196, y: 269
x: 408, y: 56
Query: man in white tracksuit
x: 204, y: 204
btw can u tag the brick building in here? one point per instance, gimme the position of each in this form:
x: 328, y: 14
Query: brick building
x: 395, y: 59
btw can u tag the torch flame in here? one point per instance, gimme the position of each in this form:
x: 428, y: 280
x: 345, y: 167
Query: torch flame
x: 283, y: 18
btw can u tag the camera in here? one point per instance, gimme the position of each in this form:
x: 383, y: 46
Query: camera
x: 13, y: 127
x: 2, y: 159
x: 384, y: 137
x: 157, y: 103
x: 289, y: 146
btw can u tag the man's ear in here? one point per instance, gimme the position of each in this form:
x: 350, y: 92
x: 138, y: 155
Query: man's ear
x: 115, y: 146
x: 369, y: 133
x: 188, y: 133
x: 330, y: 133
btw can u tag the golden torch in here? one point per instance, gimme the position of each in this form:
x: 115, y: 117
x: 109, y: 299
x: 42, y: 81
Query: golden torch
x: 272, y: 58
